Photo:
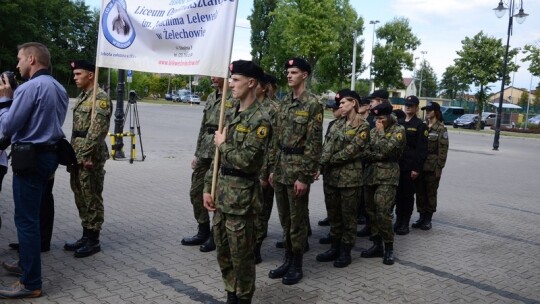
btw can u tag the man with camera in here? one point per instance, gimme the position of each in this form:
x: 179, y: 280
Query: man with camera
x: 33, y: 125
x: 91, y: 121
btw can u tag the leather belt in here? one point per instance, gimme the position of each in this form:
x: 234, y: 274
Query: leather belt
x: 236, y: 172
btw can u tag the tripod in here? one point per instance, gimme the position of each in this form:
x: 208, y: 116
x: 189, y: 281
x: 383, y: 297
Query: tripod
x: 131, y: 110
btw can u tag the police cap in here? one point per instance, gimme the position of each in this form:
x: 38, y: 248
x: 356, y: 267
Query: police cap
x: 382, y: 109
x: 432, y: 106
x: 347, y: 93
x: 246, y: 68
x: 82, y: 65
x: 298, y: 63
x: 412, y: 101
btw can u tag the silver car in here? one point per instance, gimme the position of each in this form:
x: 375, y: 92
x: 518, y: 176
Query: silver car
x: 535, y: 120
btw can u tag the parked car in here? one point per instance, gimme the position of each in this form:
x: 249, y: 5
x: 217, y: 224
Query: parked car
x: 468, y: 121
x: 489, y: 118
x: 451, y: 113
x: 193, y: 98
x: 168, y: 96
x: 175, y: 98
x: 535, y: 120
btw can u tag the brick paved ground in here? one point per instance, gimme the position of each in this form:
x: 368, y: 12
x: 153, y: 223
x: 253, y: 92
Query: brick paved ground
x: 484, y: 246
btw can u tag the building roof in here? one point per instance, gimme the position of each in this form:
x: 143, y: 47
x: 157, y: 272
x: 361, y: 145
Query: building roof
x: 407, y: 81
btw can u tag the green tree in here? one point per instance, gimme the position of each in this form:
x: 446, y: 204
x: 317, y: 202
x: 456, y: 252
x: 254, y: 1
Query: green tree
x: 301, y: 28
x: 334, y: 69
x: 480, y: 63
x: 523, y: 99
x: 536, y: 99
x: 429, y: 80
x: 533, y: 55
x: 393, y: 52
x: 261, y: 19
x: 451, y: 86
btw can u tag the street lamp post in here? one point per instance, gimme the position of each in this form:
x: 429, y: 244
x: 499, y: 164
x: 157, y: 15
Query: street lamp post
x: 371, y: 82
x: 422, y: 72
x: 520, y: 18
x: 353, y: 72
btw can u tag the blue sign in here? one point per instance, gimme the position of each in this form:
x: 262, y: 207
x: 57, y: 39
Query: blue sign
x: 129, y: 73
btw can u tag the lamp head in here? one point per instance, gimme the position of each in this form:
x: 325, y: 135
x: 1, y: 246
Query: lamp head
x: 521, y: 16
x: 500, y: 10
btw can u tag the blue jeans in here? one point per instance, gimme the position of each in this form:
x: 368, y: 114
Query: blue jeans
x: 27, y: 192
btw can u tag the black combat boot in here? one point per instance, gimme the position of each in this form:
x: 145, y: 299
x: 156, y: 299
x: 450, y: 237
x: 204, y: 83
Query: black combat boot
x: 283, y: 269
x: 420, y: 221
x: 295, y: 274
x: 257, y: 253
x: 324, y: 222
x: 244, y: 301
x: 344, y: 258
x: 397, y: 224
x: 306, y: 246
x: 209, y: 245
x: 91, y: 246
x: 78, y: 243
x: 231, y: 298
x: 426, y: 225
x: 329, y: 255
x: 203, y: 233
x: 309, y: 232
x: 366, y: 231
x: 325, y: 240
x: 403, y: 228
x: 376, y: 251
x: 388, y: 258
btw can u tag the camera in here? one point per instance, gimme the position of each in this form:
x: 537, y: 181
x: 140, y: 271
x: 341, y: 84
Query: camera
x: 11, y: 78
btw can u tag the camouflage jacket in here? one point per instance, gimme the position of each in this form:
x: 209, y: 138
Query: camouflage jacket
x: 89, y: 143
x: 299, y: 127
x: 340, y: 160
x: 243, y: 152
x: 271, y: 107
x: 437, y: 147
x: 209, y: 124
x: 382, y: 156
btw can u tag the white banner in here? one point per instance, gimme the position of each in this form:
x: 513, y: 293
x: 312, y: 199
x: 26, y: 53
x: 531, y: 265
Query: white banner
x: 167, y: 36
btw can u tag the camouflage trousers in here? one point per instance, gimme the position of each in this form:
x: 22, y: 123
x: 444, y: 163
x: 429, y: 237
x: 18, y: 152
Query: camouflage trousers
x: 261, y: 223
x: 293, y: 216
x: 341, y: 206
x: 427, y: 185
x: 87, y: 185
x: 379, y: 200
x: 196, y: 191
x: 234, y: 236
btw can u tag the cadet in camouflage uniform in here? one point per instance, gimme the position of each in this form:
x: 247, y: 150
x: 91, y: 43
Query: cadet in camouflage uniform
x: 271, y: 107
x: 341, y: 168
x: 428, y: 182
x: 88, y: 141
x: 294, y: 162
x: 204, y: 153
x: 242, y: 145
x: 387, y: 142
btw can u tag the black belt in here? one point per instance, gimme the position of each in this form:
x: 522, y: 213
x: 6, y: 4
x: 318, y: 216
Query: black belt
x: 79, y: 133
x: 236, y: 172
x: 287, y: 150
x: 43, y: 148
x: 211, y: 129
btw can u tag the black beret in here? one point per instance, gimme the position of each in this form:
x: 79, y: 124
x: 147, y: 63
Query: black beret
x: 365, y: 101
x: 382, y: 109
x: 412, y: 100
x: 269, y: 79
x: 246, y: 68
x: 400, y: 115
x: 379, y: 94
x: 347, y: 93
x: 432, y: 106
x: 82, y: 65
x: 298, y: 63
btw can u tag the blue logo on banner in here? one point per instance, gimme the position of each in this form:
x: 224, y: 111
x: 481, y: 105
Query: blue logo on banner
x: 116, y: 25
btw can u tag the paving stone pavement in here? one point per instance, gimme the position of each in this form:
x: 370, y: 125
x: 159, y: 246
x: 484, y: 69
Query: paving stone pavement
x: 483, y: 247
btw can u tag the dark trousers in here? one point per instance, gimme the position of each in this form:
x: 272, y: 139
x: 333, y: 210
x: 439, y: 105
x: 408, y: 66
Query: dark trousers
x: 27, y: 195
x: 405, y: 195
x: 46, y: 216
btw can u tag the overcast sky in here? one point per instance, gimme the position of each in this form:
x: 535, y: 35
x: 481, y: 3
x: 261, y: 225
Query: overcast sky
x: 440, y: 25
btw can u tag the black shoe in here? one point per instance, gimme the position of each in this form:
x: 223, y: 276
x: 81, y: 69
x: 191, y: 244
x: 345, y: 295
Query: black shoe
x: 44, y: 248
x: 18, y: 291
x: 244, y: 301
x: 329, y: 255
x: 209, y: 245
x: 280, y: 245
x: 366, y: 231
x: 92, y: 245
x: 325, y: 240
x: 375, y: 251
x: 403, y: 229
x: 203, y: 233
x: 295, y: 274
x: 361, y: 220
x: 426, y: 225
x: 257, y: 253
x: 419, y: 222
x: 78, y: 244
x: 344, y: 258
x: 388, y: 258
x: 231, y: 298
x: 283, y: 269
x: 324, y: 222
